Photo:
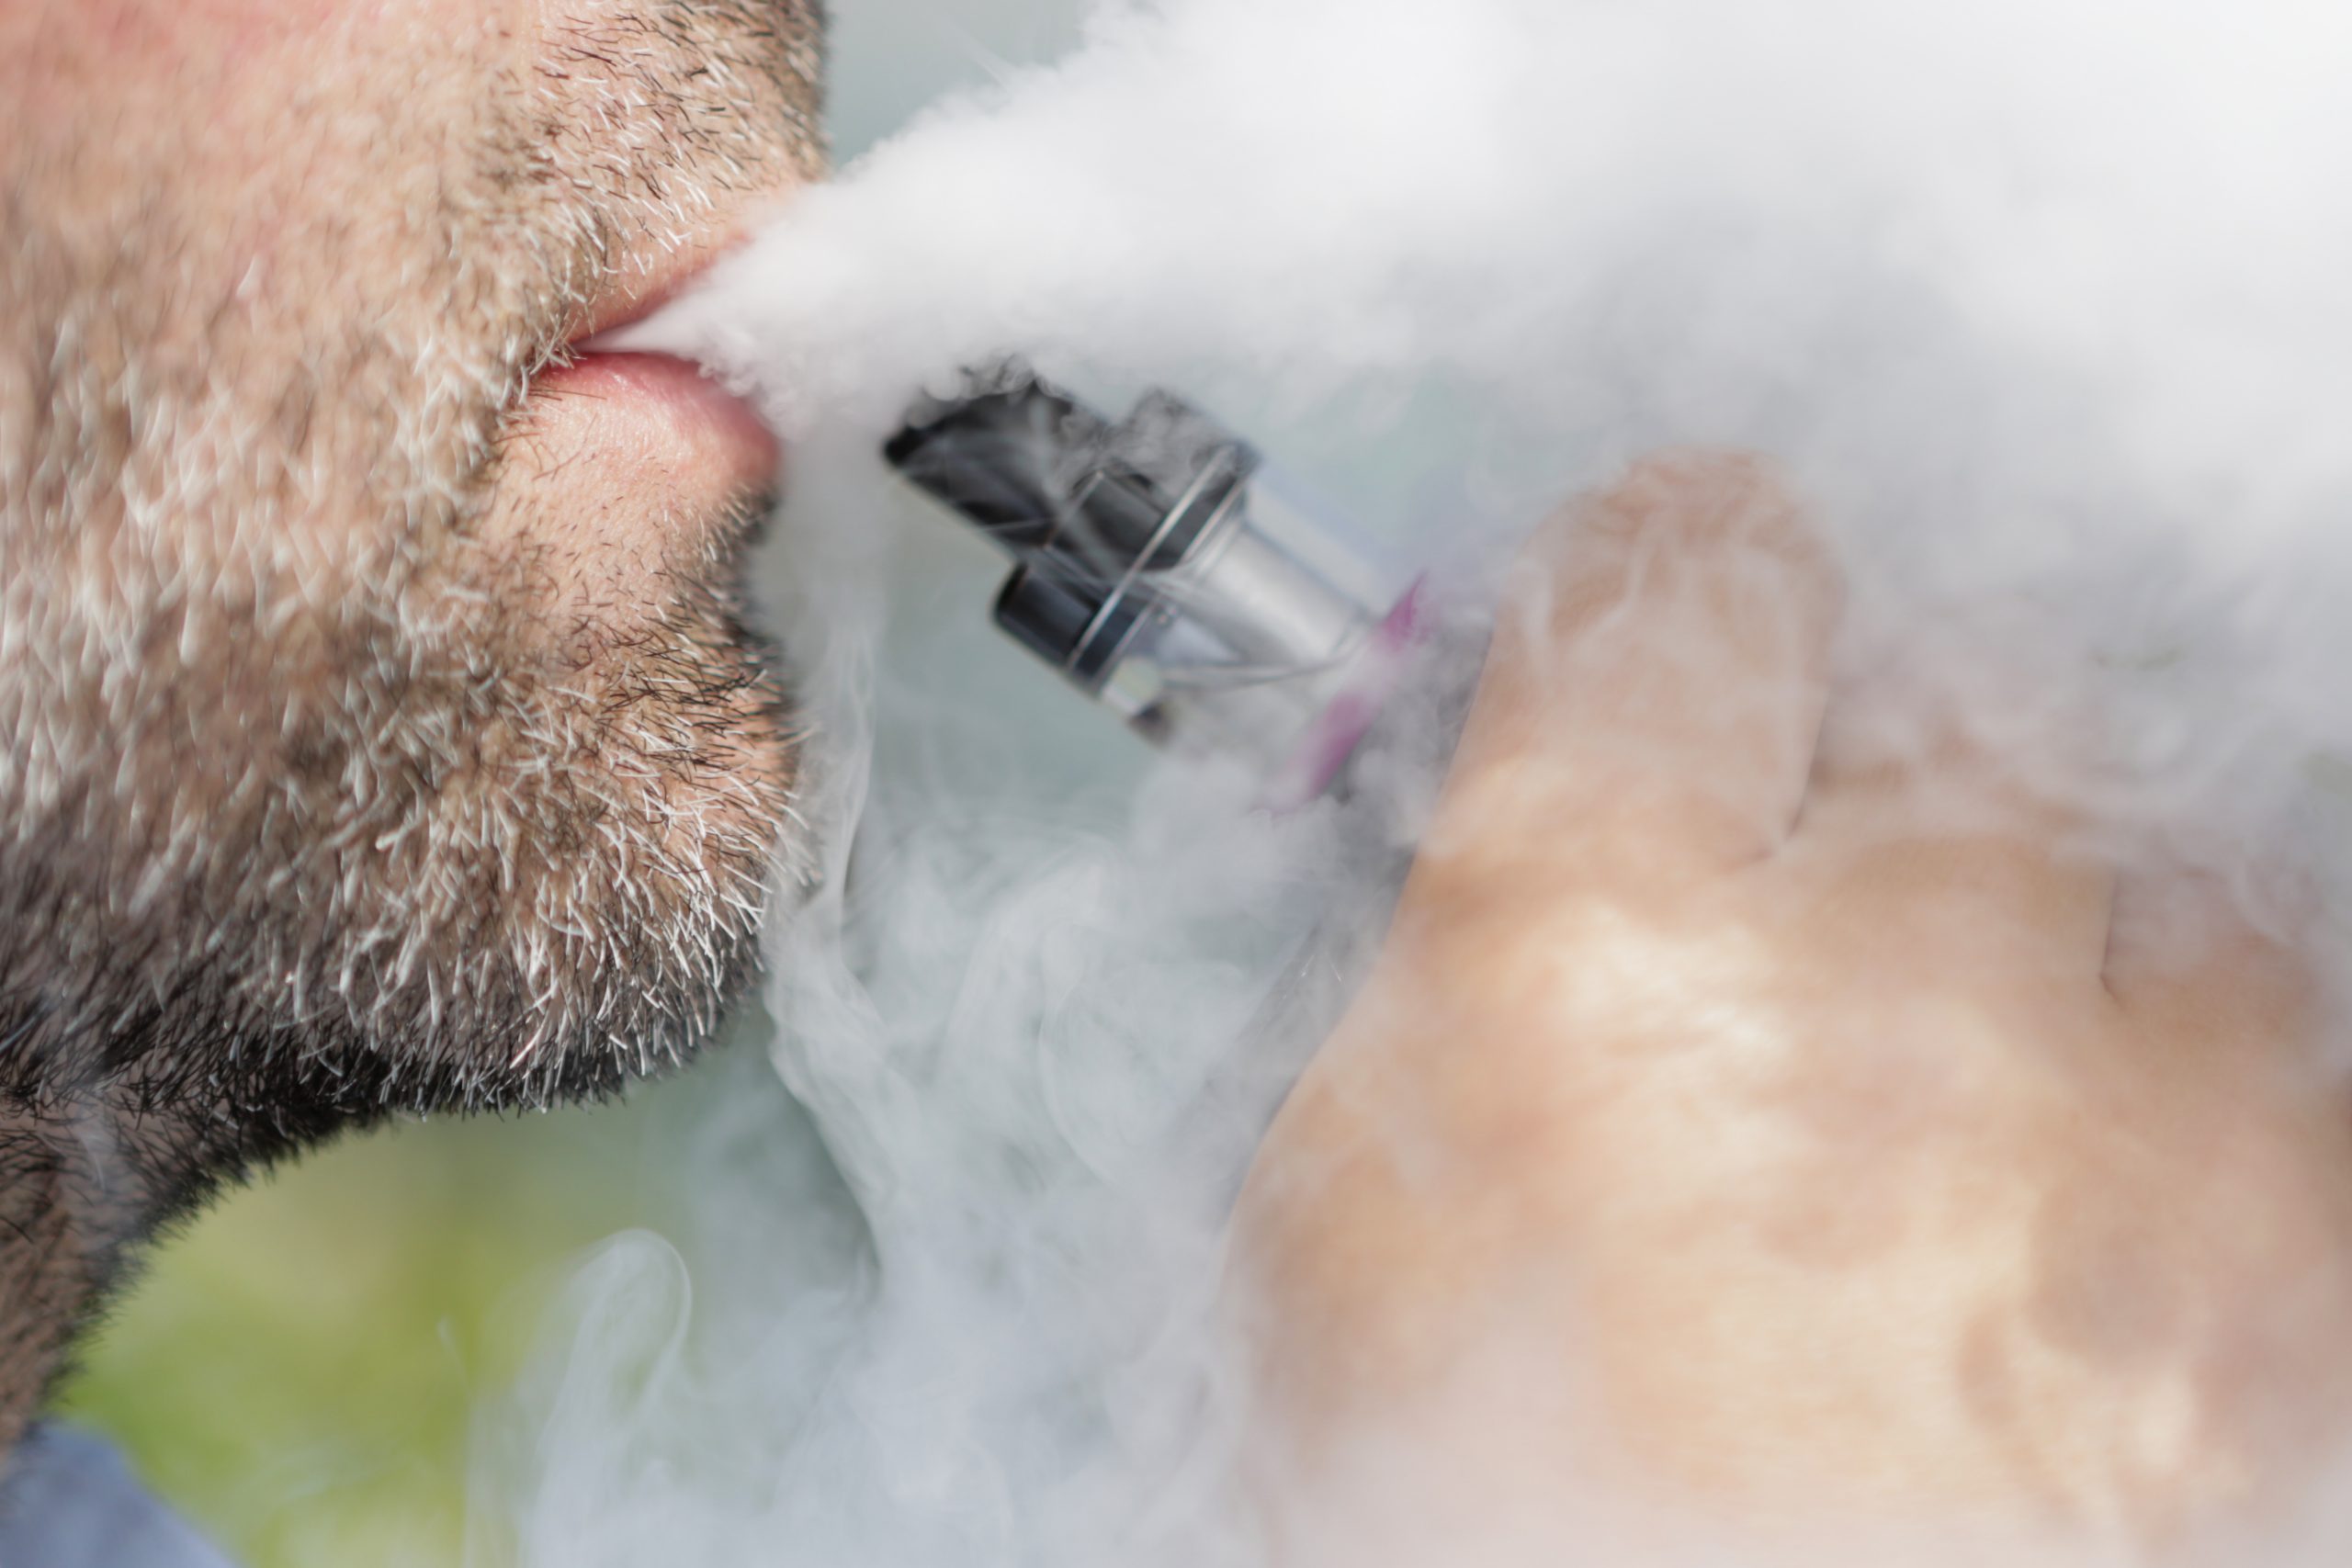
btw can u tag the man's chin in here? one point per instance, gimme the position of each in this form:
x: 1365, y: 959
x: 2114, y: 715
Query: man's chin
x: 636, y: 1025
x: 584, y: 904
x: 671, y: 1025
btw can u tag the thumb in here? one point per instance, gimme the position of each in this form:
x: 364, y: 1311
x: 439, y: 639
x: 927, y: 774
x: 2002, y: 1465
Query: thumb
x: 1656, y: 686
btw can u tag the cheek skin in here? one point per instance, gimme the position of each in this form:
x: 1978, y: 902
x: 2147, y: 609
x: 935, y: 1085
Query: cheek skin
x: 613, y: 475
x: 201, y: 52
x: 185, y: 106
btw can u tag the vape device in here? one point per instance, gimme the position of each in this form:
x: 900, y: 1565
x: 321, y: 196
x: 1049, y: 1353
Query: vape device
x: 1172, y: 575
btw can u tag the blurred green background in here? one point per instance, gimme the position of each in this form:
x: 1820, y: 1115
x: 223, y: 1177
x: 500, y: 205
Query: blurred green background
x: 299, y: 1370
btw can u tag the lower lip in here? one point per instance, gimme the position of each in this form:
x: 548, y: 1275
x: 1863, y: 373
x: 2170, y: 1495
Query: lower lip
x: 691, y: 410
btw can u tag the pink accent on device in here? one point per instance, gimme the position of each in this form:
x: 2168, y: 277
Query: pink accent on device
x: 1372, y: 681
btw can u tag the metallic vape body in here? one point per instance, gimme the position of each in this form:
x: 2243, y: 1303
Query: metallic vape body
x: 1169, y: 573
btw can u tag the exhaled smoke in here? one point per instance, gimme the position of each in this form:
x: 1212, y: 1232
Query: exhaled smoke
x: 2039, y: 301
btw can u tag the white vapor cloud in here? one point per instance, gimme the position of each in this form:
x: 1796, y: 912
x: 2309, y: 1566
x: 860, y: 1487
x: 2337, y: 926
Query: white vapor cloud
x: 2042, y: 304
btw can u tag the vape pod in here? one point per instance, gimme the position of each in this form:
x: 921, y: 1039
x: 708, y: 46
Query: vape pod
x: 1170, y: 574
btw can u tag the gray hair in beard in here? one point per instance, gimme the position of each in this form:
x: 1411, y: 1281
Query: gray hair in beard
x: 309, y: 808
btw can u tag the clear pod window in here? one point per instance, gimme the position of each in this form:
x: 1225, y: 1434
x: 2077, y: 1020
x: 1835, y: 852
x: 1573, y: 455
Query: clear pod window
x: 1167, y: 572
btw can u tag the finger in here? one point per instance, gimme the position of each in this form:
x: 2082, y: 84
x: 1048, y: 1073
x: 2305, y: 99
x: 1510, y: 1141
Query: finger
x: 1656, y: 682
x: 2203, y: 959
x: 1949, y: 827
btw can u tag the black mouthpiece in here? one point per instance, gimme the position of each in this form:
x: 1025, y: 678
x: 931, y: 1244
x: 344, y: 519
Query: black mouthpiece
x: 1010, y: 456
x: 1091, y: 511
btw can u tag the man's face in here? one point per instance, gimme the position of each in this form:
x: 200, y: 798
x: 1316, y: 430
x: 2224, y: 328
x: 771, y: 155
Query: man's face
x: 381, y: 728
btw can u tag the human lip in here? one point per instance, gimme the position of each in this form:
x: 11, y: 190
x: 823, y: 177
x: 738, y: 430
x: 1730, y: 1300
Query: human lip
x: 668, y: 408
x: 642, y: 282
x: 672, y: 413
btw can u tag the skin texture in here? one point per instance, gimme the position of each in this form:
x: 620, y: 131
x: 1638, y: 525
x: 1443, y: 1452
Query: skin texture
x: 380, y: 730
x: 1751, y: 1123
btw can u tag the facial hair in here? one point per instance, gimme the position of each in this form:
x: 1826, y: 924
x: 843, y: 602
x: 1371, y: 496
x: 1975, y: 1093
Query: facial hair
x: 316, y: 803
